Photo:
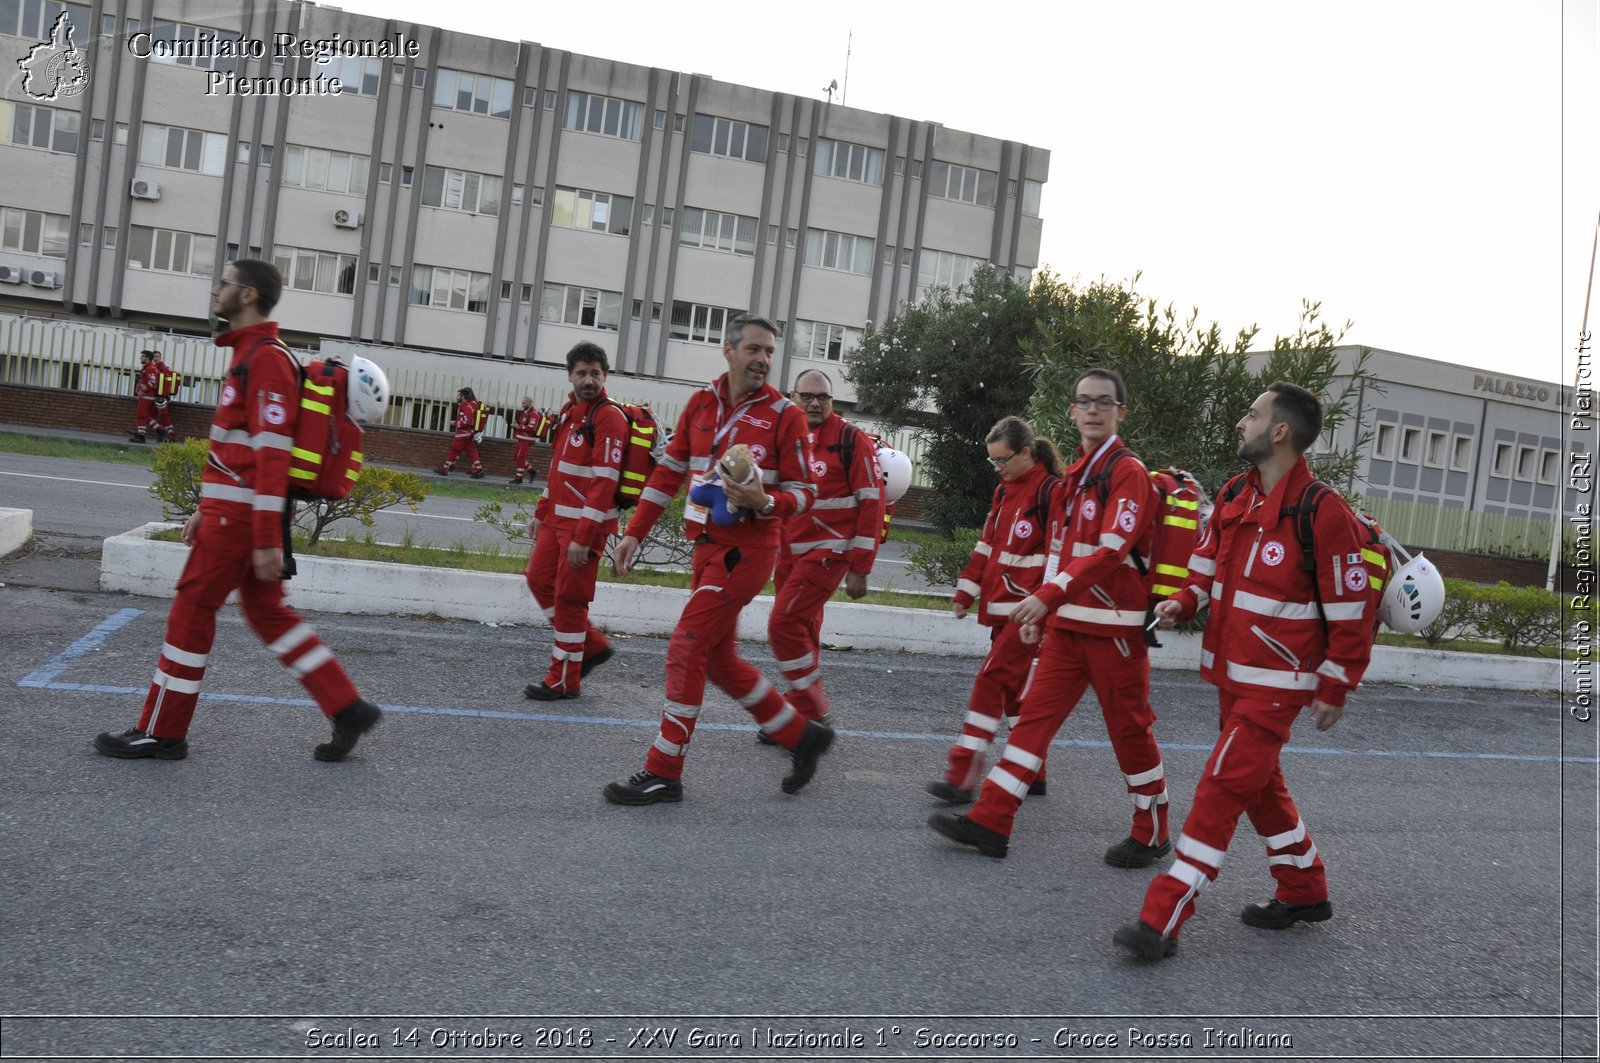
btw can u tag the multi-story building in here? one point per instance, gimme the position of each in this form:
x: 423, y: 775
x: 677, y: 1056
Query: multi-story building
x: 473, y: 196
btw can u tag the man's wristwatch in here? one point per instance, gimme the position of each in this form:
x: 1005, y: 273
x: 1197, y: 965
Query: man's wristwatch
x: 771, y: 504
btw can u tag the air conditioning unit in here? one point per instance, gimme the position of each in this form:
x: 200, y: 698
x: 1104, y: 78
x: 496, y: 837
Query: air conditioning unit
x: 347, y: 219
x: 143, y: 188
x: 44, y: 278
x: 12, y: 275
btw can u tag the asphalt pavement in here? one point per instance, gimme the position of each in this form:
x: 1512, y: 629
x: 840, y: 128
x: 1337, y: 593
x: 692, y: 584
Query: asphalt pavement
x: 459, y: 888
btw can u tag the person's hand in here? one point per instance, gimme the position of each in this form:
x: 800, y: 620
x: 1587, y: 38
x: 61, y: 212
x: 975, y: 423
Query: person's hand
x: 959, y: 610
x: 622, y: 557
x: 1325, y: 715
x: 577, y: 555
x: 1168, y: 612
x: 533, y: 530
x: 1030, y: 634
x: 1029, y: 611
x: 477, y: 437
x: 191, y: 529
x: 751, y: 496
x: 855, y: 584
x: 267, y: 562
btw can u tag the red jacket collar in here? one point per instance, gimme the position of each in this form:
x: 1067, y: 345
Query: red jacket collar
x: 766, y: 393
x: 249, y: 335
x: 1286, y: 492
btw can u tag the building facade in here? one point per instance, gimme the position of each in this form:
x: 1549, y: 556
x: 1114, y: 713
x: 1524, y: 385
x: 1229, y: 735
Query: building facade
x: 472, y: 196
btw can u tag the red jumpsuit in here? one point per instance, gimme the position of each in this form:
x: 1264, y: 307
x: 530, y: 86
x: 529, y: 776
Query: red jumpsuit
x: 1006, y: 566
x: 152, y: 403
x: 1094, y: 638
x: 469, y: 422
x: 579, y: 505
x: 731, y: 563
x: 533, y: 424
x: 838, y: 534
x: 1270, y: 652
x: 242, y: 498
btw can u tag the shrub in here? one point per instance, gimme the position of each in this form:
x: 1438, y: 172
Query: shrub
x: 1519, y: 617
x: 1462, y: 605
x: 376, y: 489
x: 664, y: 546
x: 940, y: 562
x: 178, y: 467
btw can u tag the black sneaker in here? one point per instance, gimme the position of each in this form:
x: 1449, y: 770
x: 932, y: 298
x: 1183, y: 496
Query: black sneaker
x: 950, y: 793
x: 134, y: 744
x: 1275, y: 915
x: 349, y: 724
x: 804, y: 756
x: 475, y: 475
x: 136, y: 439
x: 1038, y: 788
x: 442, y: 471
x: 591, y: 663
x: 959, y: 828
x: 644, y: 788
x: 514, y: 480
x: 1145, y: 941
x: 1131, y: 853
x: 540, y: 691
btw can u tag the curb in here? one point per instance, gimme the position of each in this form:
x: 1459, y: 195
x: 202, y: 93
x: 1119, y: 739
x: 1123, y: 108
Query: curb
x: 16, y: 528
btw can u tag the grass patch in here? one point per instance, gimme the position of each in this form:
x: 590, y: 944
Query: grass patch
x: 84, y: 450
x: 479, y: 491
x: 914, y: 536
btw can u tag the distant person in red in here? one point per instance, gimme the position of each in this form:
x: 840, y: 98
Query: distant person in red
x: 236, y: 538
x: 470, y: 417
x: 532, y: 425
x: 152, y: 392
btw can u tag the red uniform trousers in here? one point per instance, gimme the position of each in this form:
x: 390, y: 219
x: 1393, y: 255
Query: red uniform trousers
x: 564, y: 594
x: 996, y: 692
x: 149, y: 413
x: 524, y: 448
x: 219, y: 563
x: 1069, y: 663
x: 463, y: 444
x: 1241, y: 776
x: 705, y: 645
x: 795, y: 627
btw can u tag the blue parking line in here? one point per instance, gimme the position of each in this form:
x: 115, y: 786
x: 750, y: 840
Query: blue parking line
x: 44, y: 678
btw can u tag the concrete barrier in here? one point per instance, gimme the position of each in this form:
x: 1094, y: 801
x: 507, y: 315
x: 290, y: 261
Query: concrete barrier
x: 135, y: 563
x: 16, y: 528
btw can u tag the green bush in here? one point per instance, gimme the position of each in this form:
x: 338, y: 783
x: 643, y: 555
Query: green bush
x: 665, y: 546
x: 1459, y: 618
x: 177, y: 484
x: 376, y: 489
x: 940, y: 562
x: 1519, y: 617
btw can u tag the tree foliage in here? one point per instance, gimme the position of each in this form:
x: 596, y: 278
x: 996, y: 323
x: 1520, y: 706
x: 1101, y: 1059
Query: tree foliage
x: 178, y: 468
x: 375, y: 489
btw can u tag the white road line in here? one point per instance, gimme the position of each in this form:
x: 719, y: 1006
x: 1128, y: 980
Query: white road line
x: 407, y: 514
x: 71, y: 480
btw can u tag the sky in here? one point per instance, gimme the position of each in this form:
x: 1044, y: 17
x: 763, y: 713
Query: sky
x: 1428, y: 170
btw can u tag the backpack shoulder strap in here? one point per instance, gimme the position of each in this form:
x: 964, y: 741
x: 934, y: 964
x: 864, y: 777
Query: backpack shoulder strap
x: 1102, y: 479
x: 1041, y: 500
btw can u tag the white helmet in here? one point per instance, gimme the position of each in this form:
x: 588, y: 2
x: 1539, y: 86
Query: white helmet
x: 367, y: 390
x: 896, y: 473
x: 1413, y: 597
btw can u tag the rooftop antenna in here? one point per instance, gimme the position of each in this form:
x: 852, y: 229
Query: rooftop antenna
x: 844, y: 96
x: 830, y: 88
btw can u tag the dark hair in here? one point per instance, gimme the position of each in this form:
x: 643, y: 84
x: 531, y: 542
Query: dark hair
x: 149, y: 354
x: 1017, y: 434
x: 735, y: 329
x: 1300, y: 410
x: 588, y: 352
x: 264, y: 278
x: 814, y: 372
x: 1110, y: 375
x: 467, y: 394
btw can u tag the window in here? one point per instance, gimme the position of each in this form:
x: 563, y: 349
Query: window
x: 174, y: 148
x: 385, y: 170
x: 517, y: 192
x: 716, y: 231
x: 505, y: 290
x: 587, y: 307
x: 170, y: 251
x: 181, y: 45
x: 419, y: 77
x: 550, y: 100
x: 949, y: 181
x: 1437, y: 441
x: 97, y: 129
x: 1502, y: 459
x: 1549, y: 466
x: 34, y: 19
x: 537, y: 197
x: 266, y: 154
x: 85, y: 234
x: 34, y: 232
x: 120, y: 136
x: 943, y: 269
x: 325, y: 170
x: 470, y: 193
x: 1383, y: 442
x: 241, y: 152
x: 601, y: 212
x: 604, y: 115
x: 460, y: 90
x: 355, y: 74
x: 1411, y: 445
x: 831, y: 250
x: 108, y: 237
x: 661, y: 119
x: 450, y: 289
x: 1031, y: 191
x: 397, y: 76
x: 699, y: 324
x: 407, y: 173
x: 1526, y: 456
x: 374, y: 271
x: 527, y: 293
x: 730, y: 139
x: 315, y: 271
x: 822, y: 341
x: 848, y: 162
x: 1461, y: 454
x: 530, y: 96
x: 647, y: 214
x: 29, y: 126
x: 394, y: 276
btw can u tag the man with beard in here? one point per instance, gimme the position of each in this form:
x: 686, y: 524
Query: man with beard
x: 572, y: 522
x: 236, y: 538
x: 1286, y: 632
x: 732, y: 562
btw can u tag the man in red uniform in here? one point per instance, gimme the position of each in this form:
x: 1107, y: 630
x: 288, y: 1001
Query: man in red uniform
x: 236, y: 538
x: 151, y: 405
x: 470, y: 417
x: 731, y: 562
x: 835, y: 541
x: 572, y: 522
x: 1286, y: 632
x: 1094, y: 599
x: 532, y: 425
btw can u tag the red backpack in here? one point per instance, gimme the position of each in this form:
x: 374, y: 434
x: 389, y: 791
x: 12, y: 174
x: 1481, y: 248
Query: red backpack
x: 1177, y: 531
x: 641, y: 451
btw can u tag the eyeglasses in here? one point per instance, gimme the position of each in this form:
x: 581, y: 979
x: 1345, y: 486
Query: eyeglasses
x: 1000, y: 463
x: 223, y: 282
x: 806, y: 398
x: 1103, y: 403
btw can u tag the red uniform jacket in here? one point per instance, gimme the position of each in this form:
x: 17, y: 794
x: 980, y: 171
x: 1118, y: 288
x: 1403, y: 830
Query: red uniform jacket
x: 468, y: 422
x: 1093, y: 584
x: 847, y: 515
x: 581, y: 489
x: 532, y: 424
x: 1265, y: 638
x: 149, y: 375
x: 777, y: 434
x: 1008, y: 563
x: 246, y: 476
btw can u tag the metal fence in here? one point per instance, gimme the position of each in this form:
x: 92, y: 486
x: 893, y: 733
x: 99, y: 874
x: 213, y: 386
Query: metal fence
x: 1439, y: 528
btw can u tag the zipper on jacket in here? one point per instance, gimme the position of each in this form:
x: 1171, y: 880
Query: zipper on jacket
x: 1255, y: 548
x: 1277, y: 647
